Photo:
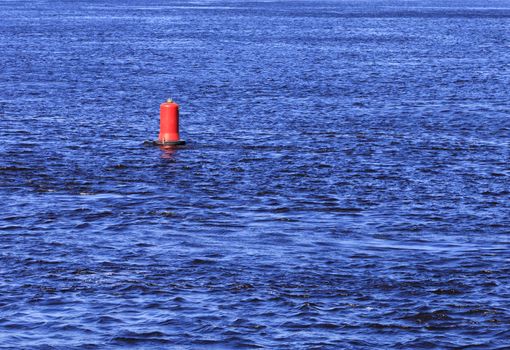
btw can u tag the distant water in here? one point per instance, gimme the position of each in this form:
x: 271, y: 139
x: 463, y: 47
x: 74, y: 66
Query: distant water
x: 346, y: 183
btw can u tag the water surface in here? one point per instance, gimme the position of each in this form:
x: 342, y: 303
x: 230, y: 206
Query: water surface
x: 345, y: 185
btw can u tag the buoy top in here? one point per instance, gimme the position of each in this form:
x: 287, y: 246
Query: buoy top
x: 169, y: 100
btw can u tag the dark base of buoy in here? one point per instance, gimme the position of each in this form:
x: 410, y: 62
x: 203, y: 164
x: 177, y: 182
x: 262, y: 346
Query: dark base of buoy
x: 169, y: 143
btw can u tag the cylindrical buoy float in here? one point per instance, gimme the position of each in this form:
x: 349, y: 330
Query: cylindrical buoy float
x: 169, y: 124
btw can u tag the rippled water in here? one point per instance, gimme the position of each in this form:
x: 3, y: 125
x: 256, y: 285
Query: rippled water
x: 345, y: 185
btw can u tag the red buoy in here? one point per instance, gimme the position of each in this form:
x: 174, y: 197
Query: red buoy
x: 169, y: 124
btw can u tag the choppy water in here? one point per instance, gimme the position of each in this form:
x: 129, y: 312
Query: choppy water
x: 346, y: 182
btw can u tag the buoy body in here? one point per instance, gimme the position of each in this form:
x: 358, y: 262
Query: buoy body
x: 169, y: 124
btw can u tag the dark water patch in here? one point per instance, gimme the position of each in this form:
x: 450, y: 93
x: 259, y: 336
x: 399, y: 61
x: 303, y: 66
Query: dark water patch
x: 142, y: 338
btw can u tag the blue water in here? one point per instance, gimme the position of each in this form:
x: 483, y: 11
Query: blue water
x: 346, y: 183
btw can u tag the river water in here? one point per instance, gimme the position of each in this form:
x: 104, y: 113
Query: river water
x: 346, y: 182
